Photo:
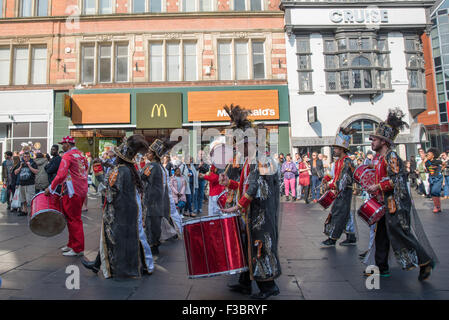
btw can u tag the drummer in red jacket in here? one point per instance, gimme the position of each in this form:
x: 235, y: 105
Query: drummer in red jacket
x: 214, y: 190
x: 72, y: 174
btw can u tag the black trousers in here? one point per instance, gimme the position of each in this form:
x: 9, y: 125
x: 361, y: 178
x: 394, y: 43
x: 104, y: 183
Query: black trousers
x: 263, y: 286
x: 382, y: 245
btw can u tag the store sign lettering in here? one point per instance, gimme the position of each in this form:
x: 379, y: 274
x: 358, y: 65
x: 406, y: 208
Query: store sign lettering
x: 159, y: 107
x: 359, y: 16
x: 254, y: 112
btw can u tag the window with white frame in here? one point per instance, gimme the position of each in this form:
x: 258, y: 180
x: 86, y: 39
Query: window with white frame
x: 415, y: 63
x: 23, y: 65
x: 30, y: 8
x: 304, y: 54
x: 357, y: 62
x: 104, y: 62
x: 173, y: 61
x: 248, y: 5
x: 97, y: 6
x: 141, y: 6
x: 241, y: 59
x: 197, y: 5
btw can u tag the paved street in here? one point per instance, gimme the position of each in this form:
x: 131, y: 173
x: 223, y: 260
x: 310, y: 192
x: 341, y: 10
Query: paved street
x: 32, y: 267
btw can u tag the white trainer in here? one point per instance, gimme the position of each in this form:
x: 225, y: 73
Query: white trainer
x: 65, y: 249
x: 72, y: 253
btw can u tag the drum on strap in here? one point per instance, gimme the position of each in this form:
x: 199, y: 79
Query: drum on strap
x: 365, y: 176
x: 371, y: 211
x: 46, y: 218
x: 326, y: 199
x: 222, y: 198
x: 213, y: 246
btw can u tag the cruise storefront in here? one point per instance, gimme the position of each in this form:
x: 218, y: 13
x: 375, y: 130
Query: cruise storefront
x: 349, y: 64
x: 100, y: 118
x: 26, y: 117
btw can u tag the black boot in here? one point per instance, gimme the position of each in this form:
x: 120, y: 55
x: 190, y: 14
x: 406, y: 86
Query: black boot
x: 92, y: 265
x: 350, y: 240
x: 155, y: 250
x: 266, y: 290
x: 426, y: 271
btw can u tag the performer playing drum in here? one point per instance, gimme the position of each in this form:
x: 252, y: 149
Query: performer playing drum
x: 341, y: 184
x: 258, y: 200
x: 391, y: 189
x: 72, y: 173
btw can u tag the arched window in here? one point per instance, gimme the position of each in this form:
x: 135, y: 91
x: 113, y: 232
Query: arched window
x: 360, y: 139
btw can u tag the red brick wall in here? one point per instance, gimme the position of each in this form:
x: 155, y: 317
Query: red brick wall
x: 431, y: 97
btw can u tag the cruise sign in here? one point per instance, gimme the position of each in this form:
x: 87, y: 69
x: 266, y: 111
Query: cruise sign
x: 347, y: 16
x: 362, y: 16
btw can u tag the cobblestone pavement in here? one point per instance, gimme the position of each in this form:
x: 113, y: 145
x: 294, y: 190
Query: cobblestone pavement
x: 32, y: 267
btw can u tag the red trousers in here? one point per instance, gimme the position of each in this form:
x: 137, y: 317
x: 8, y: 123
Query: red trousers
x: 72, y: 211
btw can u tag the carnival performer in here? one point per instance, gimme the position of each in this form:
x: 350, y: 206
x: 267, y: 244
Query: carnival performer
x: 341, y: 185
x: 395, y: 226
x: 434, y: 166
x: 157, y: 194
x: 258, y: 196
x: 124, y: 249
x: 72, y: 175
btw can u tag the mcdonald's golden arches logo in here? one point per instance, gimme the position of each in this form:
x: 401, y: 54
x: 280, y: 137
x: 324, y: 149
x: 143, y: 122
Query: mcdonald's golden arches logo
x: 159, y: 107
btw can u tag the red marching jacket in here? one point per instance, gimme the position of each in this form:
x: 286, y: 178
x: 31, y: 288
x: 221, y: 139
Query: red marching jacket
x: 73, y: 173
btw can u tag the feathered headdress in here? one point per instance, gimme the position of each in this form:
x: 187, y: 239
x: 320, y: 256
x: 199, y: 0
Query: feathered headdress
x: 390, y: 129
x: 343, y: 138
x: 162, y: 147
x: 131, y: 146
x: 239, y: 117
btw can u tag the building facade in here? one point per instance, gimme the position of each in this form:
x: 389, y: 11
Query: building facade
x: 351, y: 62
x: 438, y: 48
x: 147, y: 66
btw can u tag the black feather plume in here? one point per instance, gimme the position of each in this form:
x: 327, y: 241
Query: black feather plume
x: 239, y: 116
x: 394, y: 119
x: 135, y: 144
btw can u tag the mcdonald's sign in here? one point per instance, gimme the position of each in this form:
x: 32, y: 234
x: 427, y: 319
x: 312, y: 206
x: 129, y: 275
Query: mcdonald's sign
x: 159, y: 110
x: 159, y: 107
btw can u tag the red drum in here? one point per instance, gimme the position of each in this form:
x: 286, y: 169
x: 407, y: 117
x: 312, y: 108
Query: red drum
x: 326, y: 199
x: 371, y: 211
x: 213, y: 246
x: 365, y: 176
x: 221, y: 201
x: 46, y: 218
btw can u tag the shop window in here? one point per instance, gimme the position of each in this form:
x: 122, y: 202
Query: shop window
x: 173, y: 61
x: 357, y: 62
x: 21, y: 129
x: 252, y: 5
x: 30, y: 8
x: 415, y: 62
x: 236, y: 62
x: 97, y: 7
x: 1, y: 8
x: 304, y: 64
x: 140, y: 6
x: 112, y: 62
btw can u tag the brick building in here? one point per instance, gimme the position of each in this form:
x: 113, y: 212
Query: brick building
x: 145, y: 66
